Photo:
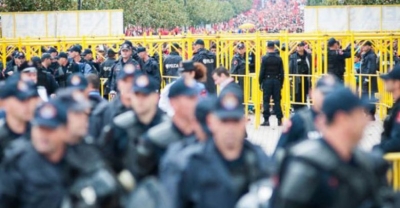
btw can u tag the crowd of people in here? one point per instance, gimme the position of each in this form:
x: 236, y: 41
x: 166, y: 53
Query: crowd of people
x: 185, y: 146
x: 272, y: 17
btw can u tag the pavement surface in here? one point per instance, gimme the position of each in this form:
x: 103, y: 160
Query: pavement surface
x: 267, y: 137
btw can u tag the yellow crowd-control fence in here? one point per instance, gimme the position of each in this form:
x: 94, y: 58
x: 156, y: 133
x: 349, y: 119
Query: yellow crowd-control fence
x: 383, y: 44
x: 394, y: 173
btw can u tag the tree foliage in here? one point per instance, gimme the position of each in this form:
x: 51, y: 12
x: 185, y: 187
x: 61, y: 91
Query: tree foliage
x: 149, y: 13
x: 351, y: 2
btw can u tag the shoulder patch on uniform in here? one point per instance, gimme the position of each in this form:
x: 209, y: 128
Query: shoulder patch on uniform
x: 125, y: 120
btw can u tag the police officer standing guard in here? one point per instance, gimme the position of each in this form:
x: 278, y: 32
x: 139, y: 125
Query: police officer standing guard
x: 150, y: 66
x: 238, y: 65
x: 271, y: 82
x: 336, y: 59
x: 105, y: 67
x: 332, y: 171
x: 126, y: 58
x: 171, y: 63
x: 390, y: 141
x: 209, y: 60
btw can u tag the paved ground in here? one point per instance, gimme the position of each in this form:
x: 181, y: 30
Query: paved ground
x: 267, y: 137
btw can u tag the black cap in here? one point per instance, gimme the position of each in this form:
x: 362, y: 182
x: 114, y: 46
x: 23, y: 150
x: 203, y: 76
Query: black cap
x: 342, y: 100
x: 394, y: 74
x: 199, y: 42
x: 240, y: 46
x: 126, y: 46
x: 128, y: 71
x: 176, y: 46
x: 62, y: 55
x: 51, y: 115
x: 127, y: 42
x: 270, y: 44
x: 15, y: 54
x: 186, y: 66
x: 183, y: 87
x: 77, y: 81
x: 52, y: 50
x: 111, y: 52
x: 75, y: 48
x: 20, y: 55
x: 144, y: 84
x: 45, y: 56
x: 73, y: 100
x: 14, y: 87
x: 302, y: 43
x: 141, y: 49
x: 229, y: 104
x: 368, y: 43
x: 87, y: 51
x: 331, y: 42
x: 328, y: 83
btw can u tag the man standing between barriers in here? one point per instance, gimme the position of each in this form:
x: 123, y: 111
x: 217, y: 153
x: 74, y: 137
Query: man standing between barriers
x: 300, y: 67
x: 238, y: 65
x: 271, y: 83
x: 368, y: 69
x: 390, y: 141
x: 336, y: 58
x: 209, y: 60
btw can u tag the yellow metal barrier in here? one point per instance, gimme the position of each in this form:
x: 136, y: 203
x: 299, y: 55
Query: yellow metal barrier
x: 394, y: 173
x: 384, y: 45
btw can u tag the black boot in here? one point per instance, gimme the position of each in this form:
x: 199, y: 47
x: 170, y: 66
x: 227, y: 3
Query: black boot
x: 266, y: 122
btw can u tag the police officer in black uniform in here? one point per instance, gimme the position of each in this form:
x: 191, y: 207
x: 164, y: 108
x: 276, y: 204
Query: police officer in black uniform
x: 229, y: 166
x: 66, y: 69
x: 171, y: 63
x: 238, y: 64
x: 301, y: 125
x: 105, y: 67
x: 53, y: 53
x: 271, y: 82
x: 332, y: 171
x: 104, y: 113
x: 150, y: 66
x: 390, y: 141
x: 119, y: 139
x: 183, y: 96
x: 19, y: 100
x: 126, y: 58
x: 300, y: 64
x: 46, y: 63
x: 44, y: 78
x: 37, y: 159
x: 209, y: 60
x: 13, y: 65
x: 336, y: 59
x: 369, y: 67
x: 88, y: 56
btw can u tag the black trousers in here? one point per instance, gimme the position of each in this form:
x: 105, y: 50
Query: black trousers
x: 272, y: 87
x: 299, y: 97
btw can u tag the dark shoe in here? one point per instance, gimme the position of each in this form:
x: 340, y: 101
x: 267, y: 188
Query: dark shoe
x: 279, y: 122
x: 266, y: 123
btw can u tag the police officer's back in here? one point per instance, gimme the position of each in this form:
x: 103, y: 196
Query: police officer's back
x: 171, y: 63
x: 103, y: 114
x: 230, y: 173
x: 336, y: 59
x: 105, y: 67
x: 209, y: 60
x: 271, y: 82
x: 390, y: 141
x: 332, y: 171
